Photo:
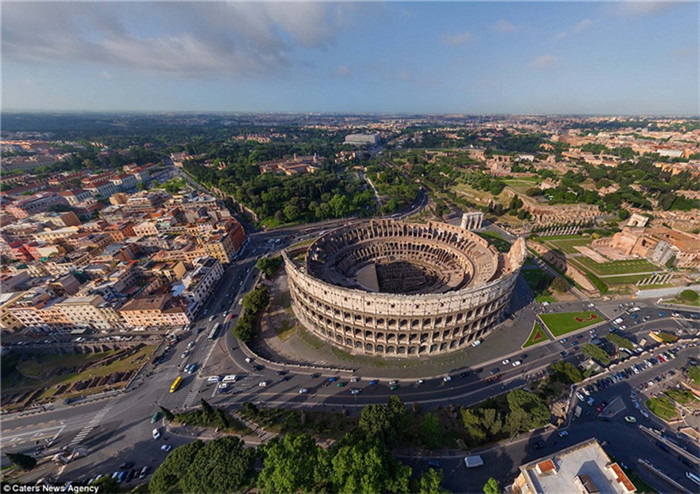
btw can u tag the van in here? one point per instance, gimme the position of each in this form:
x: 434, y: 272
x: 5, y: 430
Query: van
x: 231, y: 378
x: 213, y: 379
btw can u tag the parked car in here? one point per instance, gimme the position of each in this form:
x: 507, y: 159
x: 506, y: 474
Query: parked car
x: 166, y: 447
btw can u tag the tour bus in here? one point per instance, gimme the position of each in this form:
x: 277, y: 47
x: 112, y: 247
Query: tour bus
x: 214, y: 331
x: 176, y: 384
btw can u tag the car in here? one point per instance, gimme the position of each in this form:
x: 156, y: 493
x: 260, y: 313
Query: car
x: 185, y: 354
x: 191, y: 368
x: 465, y: 374
x: 341, y: 384
x: 662, y: 314
x: 354, y: 379
x: 315, y: 376
x: 262, y: 384
x: 564, y: 340
x: 223, y: 386
x: 212, y: 317
x: 506, y: 361
x: 332, y: 379
x: 197, y: 331
x: 303, y: 391
x: 190, y: 344
x: 476, y: 343
x: 126, y: 465
x: 393, y: 383
x: 155, y: 417
x: 394, y: 388
x: 538, y: 445
x: 419, y: 381
x: 144, y: 471
x: 516, y: 363
x: 355, y: 391
x: 563, y: 433
x: 630, y: 419
x: 447, y: 379
x: 373, y: 382
x: 434, y: 464
x: 281, y: 372
x: 495, y: 371
x: 156, y: 433
x: 563, y: 353
x: 166, y: 447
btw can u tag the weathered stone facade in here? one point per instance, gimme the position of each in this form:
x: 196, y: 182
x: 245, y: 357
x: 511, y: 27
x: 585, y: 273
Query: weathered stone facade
x: 444, y: 313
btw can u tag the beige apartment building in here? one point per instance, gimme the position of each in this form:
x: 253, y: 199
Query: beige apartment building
x: 155, y: 310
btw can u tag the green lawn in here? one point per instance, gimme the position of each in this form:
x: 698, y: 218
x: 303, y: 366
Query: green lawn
x: 618, y: 267
x: 565, y: 243
x: 537, y: 335
x: 694, y: 374
x: 682, y: 396
x: 566, y: 322
x: 501, y: 244
x: 662, y: 408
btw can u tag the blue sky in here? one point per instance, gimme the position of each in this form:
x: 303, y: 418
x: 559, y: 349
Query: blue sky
x: 407, y: 57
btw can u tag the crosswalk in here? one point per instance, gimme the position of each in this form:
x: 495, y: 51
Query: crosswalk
x: 94, y: 422
x: 194, y: 391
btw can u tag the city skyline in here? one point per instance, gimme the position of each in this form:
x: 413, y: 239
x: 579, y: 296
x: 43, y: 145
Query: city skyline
x: 396, y: 57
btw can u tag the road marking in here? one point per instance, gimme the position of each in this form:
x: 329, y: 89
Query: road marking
x: 94, y: 422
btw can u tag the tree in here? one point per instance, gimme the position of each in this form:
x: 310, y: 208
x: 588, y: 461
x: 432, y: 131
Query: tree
x: 222, y: 465
x: 207, y: 409
x: 431, y: 431
x: 559, y: 284
x: 375, y: 422
x: 596, y: 353
x: 269, y: 265
x: 517, y: 421
x: 167, y: 413
x: 141, y: 186
x: 491, y: 421
x: 472, y: 424
x: 25, y: 462
x: 367, y: 467
x: 169, y: 473
x: 491, y: 486
x: 293, y: 463
x: 257, y: 299
x: 431, y: 482
x: 566, y: 372
x: 536, y: 412
x: 107, y: 485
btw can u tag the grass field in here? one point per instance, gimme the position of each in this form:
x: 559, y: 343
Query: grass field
x: 565, y: 243
x: 624, y: 279
x: 501, y: 244
x: 618, y: 267
x: 566, y: 322
x: 694, y: 374
x: 682, y: 396
x: 537, y: 335
x: 662, y: 408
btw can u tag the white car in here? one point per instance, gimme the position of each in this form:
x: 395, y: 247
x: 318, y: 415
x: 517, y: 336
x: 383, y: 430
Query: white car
x: 354, y: 379
x: 393, y: 383
x: 420, y: 381
x: 516, y: 363
x: 354, y: 391
x: 447, y: 379
x: 223, y: 385
x: 506, y: 361
x: 303, y: 391
x: 262, y: 384
x: 476, y: 343
x: 166, y: 447
x: 248, y: 359
x: 156, y: 433
x: 190, y: 344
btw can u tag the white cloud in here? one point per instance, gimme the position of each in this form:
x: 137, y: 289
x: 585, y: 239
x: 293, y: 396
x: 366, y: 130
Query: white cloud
x: 189, y: 39
x: 503, y: 26
x: 581, y: 25
x: 642, y: 8
x: 544, y: 62
x: 341, y: 71
x: 560, y: 35
x: 458, y: 39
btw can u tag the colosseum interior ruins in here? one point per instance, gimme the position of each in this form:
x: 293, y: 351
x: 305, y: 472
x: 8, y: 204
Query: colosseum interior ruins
x: 399, y: 289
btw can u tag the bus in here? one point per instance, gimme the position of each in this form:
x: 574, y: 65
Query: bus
x: 214, y: 331
x: 176, y: 384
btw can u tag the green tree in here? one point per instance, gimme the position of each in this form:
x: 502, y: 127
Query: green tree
x: 25, y: 462
x: 169, y: 473
x: 596, y: 353
x: 491, y: 421
x: 431, y: 431
x: 222, y: 465
x: 294, y: 463
x: 431, y: 482
x: 257, y: 299
x: 107, y: 485
x: 472, y: 424
x: 566, y: 372
x: 367, y: 467
x: 141, y: 186
x: 269, y: 265
x: 376, y: 422
x: 517, y: 421
x: 491, y: 486
x: 207, y: 409
x: 559, y: 284
x: 536, y: 411
x: 167, y: 413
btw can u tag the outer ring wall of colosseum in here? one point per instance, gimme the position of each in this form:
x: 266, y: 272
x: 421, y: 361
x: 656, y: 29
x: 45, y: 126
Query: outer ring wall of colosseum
x: 401, y: 325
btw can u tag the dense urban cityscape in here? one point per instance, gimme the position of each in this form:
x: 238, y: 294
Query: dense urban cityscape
x: 407, y: 290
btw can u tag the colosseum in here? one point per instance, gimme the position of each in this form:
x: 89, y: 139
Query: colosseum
x: 399, y: 289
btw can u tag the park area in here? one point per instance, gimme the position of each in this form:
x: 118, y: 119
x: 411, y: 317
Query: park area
x: 36, y: 378
x: 566, y: 322
x: 662, y: 408
x: 537, y: 335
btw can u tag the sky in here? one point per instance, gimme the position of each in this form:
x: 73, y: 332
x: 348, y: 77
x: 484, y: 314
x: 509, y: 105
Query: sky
x: 627, y: 58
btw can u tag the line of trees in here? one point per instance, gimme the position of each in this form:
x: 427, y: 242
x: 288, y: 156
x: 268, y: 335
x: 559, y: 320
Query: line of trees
x: 254, y: 303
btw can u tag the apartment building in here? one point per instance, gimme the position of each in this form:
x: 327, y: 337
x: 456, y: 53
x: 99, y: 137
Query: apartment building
x: 155, y: 310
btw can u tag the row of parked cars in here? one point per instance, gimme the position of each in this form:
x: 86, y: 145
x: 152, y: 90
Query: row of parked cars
x: 126, y: 473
